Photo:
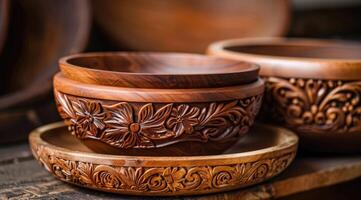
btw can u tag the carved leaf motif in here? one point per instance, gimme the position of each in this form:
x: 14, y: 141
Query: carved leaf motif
x: 153, y: 125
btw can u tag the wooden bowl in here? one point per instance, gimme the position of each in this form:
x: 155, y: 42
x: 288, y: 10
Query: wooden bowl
x: 121, y: 119
x: 40, y: 32
x: 313, y: 86
x: 4, y: 6
x: 188, y: 25
x: 258, y: 157
x: 157, y: 70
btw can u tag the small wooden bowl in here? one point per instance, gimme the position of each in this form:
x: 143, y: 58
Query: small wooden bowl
x: 314, y: 86
x: 120, y: 119
x: 253, y: 159
x: 157, y: 70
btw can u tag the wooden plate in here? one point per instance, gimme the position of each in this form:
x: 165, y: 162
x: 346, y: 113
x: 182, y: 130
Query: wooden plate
x: 257, y: 157
x: 187, y: 25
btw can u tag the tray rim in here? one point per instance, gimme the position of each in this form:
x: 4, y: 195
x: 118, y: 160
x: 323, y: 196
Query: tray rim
x: 287, y: 146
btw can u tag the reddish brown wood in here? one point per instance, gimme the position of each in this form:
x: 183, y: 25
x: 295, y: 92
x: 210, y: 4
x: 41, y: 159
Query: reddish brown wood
x: 186, y: 25
x: 4, y: 4
x: 313, y: 86
x: 118, y: 102
x: 41, y: 32
x: 254, y: 159
x: 141, y: 118
x: 157, y: 70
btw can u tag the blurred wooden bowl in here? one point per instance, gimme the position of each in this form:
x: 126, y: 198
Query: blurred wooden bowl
x: 188, y: 25
x: 4, y: 6
x: 313, y: 86
x: 40, y: 31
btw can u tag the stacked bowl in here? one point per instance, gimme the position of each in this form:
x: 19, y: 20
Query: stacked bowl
x: 160, y: 124
x: 157, y: 103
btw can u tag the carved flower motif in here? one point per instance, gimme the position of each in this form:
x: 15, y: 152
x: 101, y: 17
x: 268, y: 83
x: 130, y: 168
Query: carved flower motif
x: 183, y: 119
x: 125, y: 131
x: 89, y: 118
x: 174, y: 177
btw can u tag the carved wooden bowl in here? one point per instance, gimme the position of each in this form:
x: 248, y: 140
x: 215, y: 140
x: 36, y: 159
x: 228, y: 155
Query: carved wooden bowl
x: 119, y: 119
x: 313, y: 86
x: 157, y: 70
x: 118, y: 102
x: 253, y: 159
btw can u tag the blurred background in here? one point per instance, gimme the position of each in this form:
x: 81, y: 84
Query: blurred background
x: 34, y: 34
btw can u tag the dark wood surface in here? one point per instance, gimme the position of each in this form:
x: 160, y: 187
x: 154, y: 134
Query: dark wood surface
x: 39, y: 32
x: 21, y: 177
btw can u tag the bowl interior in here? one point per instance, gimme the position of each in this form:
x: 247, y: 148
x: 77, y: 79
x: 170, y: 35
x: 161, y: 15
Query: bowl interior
x: 158, y: 63
x: 302, y: 50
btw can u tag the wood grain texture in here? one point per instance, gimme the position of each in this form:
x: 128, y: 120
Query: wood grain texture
x: 4, y: 6
x: 312, y: 86
x: 71, y: 162
x: 157, y: 70
x: 188, y: 26
x: 41, y: 32
x: 142, y: 118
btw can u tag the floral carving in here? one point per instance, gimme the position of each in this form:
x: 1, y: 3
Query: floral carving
x: 162, y: 179
x: 321, y: 106
x: 134, y: 125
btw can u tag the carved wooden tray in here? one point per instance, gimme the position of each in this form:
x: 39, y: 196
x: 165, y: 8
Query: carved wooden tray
x: 261, y: 155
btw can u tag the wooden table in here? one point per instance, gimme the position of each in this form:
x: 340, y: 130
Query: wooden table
x: 21, y: 177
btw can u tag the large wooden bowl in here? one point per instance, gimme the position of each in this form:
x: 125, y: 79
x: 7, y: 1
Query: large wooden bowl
x: 40, y: 32
x: 121, y: 119
x: 157, y: 70
x: 188, y: 25
x: 4, y: 4
x: 253, y: 159
x: 313, y: 86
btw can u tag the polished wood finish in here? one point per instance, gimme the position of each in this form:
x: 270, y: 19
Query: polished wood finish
x: 308, y: 175
x: 254, y: 159
x: 107, y: 117
x: 42, y: 31
x: 157, y: 70
x: 186, y: 25
x: 313, y: 86
x: 4, y: 6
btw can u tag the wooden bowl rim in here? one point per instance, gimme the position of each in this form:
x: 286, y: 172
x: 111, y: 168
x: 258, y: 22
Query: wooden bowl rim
x: 225, y: 74
x: 68, y: 86
x: 289, y: 142
x: 302, y: 67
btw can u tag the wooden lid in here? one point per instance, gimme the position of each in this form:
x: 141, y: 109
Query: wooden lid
x: 157, y: 70
x: 296, y: 58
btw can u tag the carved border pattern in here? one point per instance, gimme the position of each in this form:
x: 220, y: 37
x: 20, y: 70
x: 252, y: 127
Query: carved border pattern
x: 161, y: 180
x: 147, y: 125
x: 322, y: 106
